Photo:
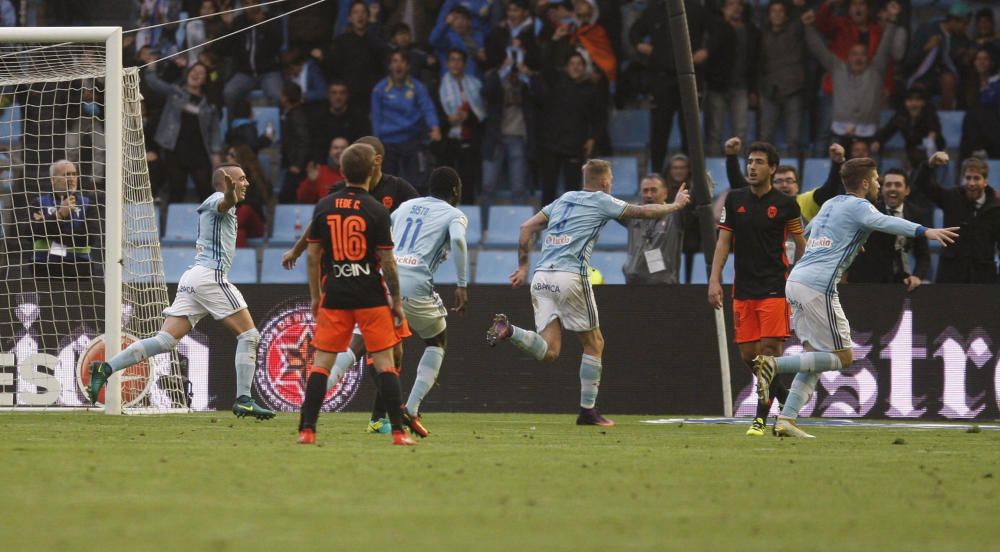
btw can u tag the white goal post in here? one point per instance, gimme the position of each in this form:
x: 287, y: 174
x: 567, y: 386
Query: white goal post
x: 107, y: 272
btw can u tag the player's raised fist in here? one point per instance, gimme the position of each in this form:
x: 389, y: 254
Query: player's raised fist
x: 837, y: 153
x: 683, y: 197
x: 939, y: 159
x: 733, y: 146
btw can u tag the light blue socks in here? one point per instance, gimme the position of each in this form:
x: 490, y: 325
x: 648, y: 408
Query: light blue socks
x: 590, y: 380
x: 246, y: 360
x: 427, y: 373
x: 141, y: 350
x: 810, y: 363
x: 340, y: 367
x: 530, y: 342
x: 798, y: 394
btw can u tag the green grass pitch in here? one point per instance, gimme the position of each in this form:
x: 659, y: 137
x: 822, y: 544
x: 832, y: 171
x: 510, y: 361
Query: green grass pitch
x: 207, y: 481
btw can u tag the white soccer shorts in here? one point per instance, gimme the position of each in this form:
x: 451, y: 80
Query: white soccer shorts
x: 426, y: 315
x: 817, y: 318
x: 204, y: 291
x: 566, y: 296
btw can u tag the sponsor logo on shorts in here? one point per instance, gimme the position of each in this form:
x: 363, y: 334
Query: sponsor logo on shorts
x: 545, y: 286
x: 819, y: 243
x: 286, y: 351
x: 558, y: 240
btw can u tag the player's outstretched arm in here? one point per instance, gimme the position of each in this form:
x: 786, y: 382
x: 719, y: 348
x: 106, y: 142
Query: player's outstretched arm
x: 525, y: 240
x: 314, y: 263
x: 289, y: 257
x: 944, y: 236
x: 390, y: 273
x: 659, y: 210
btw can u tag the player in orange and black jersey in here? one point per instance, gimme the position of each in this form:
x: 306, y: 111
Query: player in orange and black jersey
x: 350, y: 234
x: 755, y: 222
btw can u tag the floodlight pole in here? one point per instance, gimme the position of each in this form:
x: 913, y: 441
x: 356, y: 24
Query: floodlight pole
x: 690, y: 119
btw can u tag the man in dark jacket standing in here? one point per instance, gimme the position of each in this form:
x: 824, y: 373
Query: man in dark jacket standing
x: 974, y: 208
x: 255, y: 56
x: 731, y: 74
x: 650, y: 36
x: 294, y: 141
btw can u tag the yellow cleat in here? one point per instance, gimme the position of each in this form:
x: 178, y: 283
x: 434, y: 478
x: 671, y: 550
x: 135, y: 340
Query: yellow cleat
x: 757, y: 428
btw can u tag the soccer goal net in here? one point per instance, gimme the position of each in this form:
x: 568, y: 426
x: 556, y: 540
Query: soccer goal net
x: 81, y: 274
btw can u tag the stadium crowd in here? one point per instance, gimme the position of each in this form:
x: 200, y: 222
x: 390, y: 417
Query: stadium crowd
x: 517, y: 94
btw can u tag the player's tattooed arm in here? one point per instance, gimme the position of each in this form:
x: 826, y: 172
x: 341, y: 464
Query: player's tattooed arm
x: 659, y: 210
x: 526, y: 239
x: 390, y: 272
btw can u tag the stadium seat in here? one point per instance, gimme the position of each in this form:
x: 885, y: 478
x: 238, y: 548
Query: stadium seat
x: 446, y: 273
x: 11, y: 127
x: 626, y: 174
x: 290, y: 222
x: 271, y: 271
x: 610, y: 264
x: 629, y: 129
x: 268, y: 114
x: 716, y: 168
x: 176, y: 260
x: 890, y: 162
x: 699, y: 273
x: 474, y: 234
x: 182, y: 224
x: 505, y: 223
x: 896, y: 143
x: 244, y: 269
x: 994, y: 165
x: 951, y: 127
x: 729, y: 271
x: 613, y: 236
x: 495, y: 266
x: 142, y: 223
x: 815, y: 173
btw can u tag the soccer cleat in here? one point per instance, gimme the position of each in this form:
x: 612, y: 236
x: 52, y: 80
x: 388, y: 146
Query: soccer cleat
x: 785, y: 427
x: 757, y: 427
x: 499, y: 330
x: 245, y: 406
x: 766, y: 369
x: 413, y: 422
x: 590, y: 416
x: 99, y: 374
x: 379, y: 426
x: 307, y: 437
x: 402, y: 438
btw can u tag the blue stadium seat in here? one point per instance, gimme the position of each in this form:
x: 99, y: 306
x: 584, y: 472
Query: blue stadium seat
x: 729, y: 271
x: 896, y: 143
x: 626, y: 173
x: 629, y: 129
x: 610, y: 264
x: 142, y: 223
x: 474, y: 233
x: 268, y: 114
x: 271, y: 271
x: 182, y: 224
x: 446, y: 273
x: 613, y: 236
x: 176, y: 260
x: 495, y: 266
x: 938, y: 218
x: 994, y: 165
x: 890, y: 162
x: 935, y: 257
x: 505, y: 223
x: 951, y: 127
x: 815, y: 173
x: 244, y: 269
x: 11, y: 127
x: 699, y: 273
x: 290, y: 222
x: 716, y: 168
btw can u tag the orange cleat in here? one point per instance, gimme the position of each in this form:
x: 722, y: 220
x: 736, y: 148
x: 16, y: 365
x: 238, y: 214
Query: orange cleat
x: 415, y: 425
x: 402, y: 438
x: 307, y: 437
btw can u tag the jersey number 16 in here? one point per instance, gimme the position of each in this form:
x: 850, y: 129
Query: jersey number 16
x: 347, y: 237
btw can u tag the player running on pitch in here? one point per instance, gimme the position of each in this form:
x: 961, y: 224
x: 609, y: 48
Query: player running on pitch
x: 204, y: 289
x: 350, y: 235
x: 561, y: 295
x: 425, y: 229
x: 834, y: 238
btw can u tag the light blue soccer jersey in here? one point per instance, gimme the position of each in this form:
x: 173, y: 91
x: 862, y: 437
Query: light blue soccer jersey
x: 423, y: 230
x: 216, y: 235
x: 575, y: 221
x: 836, y: 234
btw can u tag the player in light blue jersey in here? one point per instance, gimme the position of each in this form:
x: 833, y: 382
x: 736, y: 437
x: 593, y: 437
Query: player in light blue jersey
x: 560, y: 289
x: 425, y: 230
x: 833, y: 239
x: 204, y: 289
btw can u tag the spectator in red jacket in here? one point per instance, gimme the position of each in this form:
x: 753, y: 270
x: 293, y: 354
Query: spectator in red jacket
x: 845, y: 31
x: 319, y: 178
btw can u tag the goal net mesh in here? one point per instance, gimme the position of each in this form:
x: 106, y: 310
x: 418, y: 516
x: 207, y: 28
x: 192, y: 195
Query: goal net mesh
x: 53, y: 222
